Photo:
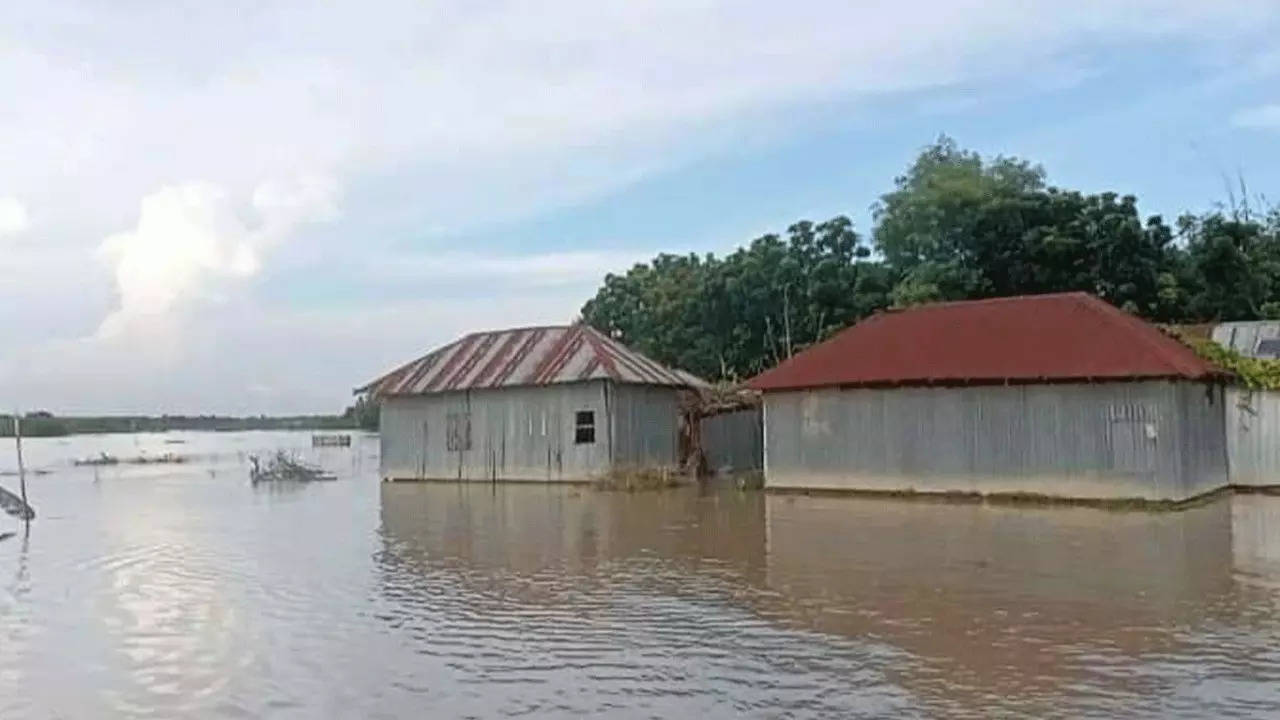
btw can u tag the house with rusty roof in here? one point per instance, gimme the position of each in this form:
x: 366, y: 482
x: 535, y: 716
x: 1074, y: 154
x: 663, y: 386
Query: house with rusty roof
x: 1056, y: 395
x: 562, y: 403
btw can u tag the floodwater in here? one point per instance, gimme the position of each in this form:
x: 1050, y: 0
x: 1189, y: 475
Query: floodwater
x: 183, y: 591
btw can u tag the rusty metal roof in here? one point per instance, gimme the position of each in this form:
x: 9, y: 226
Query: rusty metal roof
x: 526, y: 356
x: 1067, y: 337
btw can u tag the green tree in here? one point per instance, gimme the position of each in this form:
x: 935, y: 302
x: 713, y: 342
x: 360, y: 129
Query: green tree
x: 734, y: 316
x: 958, y: 227
x: 364, y: 414
x: 954, y: 226
x: 1232, y: 266
x: 936, y: 206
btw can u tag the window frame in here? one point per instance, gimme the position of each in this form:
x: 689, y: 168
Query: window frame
x: 457, y: 431
x: 584, y: 427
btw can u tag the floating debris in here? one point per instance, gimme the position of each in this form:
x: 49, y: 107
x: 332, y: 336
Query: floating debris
x: 165, y: 459
x: 32, y: 471
x: 330, y: 441
x: 105, y: 459
x: 102, y: 459
x: 13, y: 505
x: 281, y: 467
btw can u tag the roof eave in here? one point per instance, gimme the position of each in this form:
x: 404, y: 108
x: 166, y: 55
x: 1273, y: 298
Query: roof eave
x: 992, y: 382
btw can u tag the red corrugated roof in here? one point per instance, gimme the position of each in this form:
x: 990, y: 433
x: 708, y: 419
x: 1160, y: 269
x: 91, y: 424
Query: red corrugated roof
x: 526, y: 356
x: 1038, y: 338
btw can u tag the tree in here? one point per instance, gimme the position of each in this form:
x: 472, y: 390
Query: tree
x: 732, y: 317
x: 957, y: 227
x: 1232, y: 266
x: 934, y: 208
x: 364, y: 414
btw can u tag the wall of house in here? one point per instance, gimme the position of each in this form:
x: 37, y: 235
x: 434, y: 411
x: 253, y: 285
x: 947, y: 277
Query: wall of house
x: 1153, y: 440
x: 733, y: 442
x: 645, y: 426
x: 1253, y: 436
x: 524, y: 433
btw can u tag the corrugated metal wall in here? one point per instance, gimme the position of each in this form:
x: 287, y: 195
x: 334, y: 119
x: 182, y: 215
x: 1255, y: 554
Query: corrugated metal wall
x: 733, y: 442
x: 1247, y: 338
x: 516, y: 434
x: 1155, y: 440
x: 645, y: 426
x: 528, y: 433
x: 1253, y: 436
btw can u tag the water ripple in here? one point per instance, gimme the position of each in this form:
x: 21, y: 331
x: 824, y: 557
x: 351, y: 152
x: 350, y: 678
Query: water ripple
x: 185, y: 592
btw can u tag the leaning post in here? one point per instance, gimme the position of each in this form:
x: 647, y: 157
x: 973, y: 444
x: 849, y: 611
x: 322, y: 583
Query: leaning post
x: 22, y: 472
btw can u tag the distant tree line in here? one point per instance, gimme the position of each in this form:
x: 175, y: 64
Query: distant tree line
x: 45, y: 424
x: 955, y: 226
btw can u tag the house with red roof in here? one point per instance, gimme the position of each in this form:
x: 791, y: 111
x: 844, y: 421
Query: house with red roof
x: 563, y: 403
x: 1058, y: 395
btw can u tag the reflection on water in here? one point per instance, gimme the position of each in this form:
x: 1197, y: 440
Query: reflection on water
x: 184, y: 591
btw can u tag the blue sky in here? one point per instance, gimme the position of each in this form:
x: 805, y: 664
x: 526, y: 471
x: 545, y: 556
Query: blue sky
x: 254, y: 207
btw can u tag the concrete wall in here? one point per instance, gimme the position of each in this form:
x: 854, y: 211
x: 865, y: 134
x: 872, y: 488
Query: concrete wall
x: 516, y: 434
x: 645, y: 425
x: 733, y: 442
x: 1153, y: 440
x: 1253, y: 436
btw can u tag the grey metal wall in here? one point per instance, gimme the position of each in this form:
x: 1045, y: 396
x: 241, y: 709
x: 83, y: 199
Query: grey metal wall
x: 1253, y: 436
x: 733, y: 442
x: 524, y: 433
x: 1249, y: 337
x: 1154, y: 440
x: 645, y: 426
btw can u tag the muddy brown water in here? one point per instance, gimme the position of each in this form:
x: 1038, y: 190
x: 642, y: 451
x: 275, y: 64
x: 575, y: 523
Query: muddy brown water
x: 182, y: 591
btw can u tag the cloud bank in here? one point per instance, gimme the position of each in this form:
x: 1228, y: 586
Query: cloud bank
x: 442, y: 115
x: 192, y: 243
x: 13, y: 217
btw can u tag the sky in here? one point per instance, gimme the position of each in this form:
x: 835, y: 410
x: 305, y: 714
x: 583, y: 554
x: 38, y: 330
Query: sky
x: 253, y: 207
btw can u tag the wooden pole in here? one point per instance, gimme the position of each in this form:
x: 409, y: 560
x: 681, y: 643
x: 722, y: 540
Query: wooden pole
x: 22, y: 472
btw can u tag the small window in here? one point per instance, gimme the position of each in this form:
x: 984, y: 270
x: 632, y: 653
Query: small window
x: 584, y: 427
x: 458, y: 432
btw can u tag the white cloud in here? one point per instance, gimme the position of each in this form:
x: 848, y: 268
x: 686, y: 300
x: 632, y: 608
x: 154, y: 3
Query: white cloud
x: 1265, y: 116
x: 490, y: 108
x: 191, y: 240
x: 242, y: 358
x: 13, y: 217
x: 446, y: 114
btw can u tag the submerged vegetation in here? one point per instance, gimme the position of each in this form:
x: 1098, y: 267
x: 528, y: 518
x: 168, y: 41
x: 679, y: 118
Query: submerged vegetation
x: 954, y: 226
x: 639, y: 479
x: 283, y: 467
x: 1252, y: 373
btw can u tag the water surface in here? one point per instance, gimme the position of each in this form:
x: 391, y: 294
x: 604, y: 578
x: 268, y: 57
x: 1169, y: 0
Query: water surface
x: 164, y: 591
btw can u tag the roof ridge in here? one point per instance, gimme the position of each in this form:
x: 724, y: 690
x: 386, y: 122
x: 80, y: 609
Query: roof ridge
x: 1146, y: 333
x: 1041, y: 338
x: 987, y: 301
x: 543, y: 326
x: 629, y: 355
x: 540, y: 354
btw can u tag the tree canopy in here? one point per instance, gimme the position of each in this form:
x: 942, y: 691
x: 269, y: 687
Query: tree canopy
x: 733, y: 316
x: 954, y: 226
